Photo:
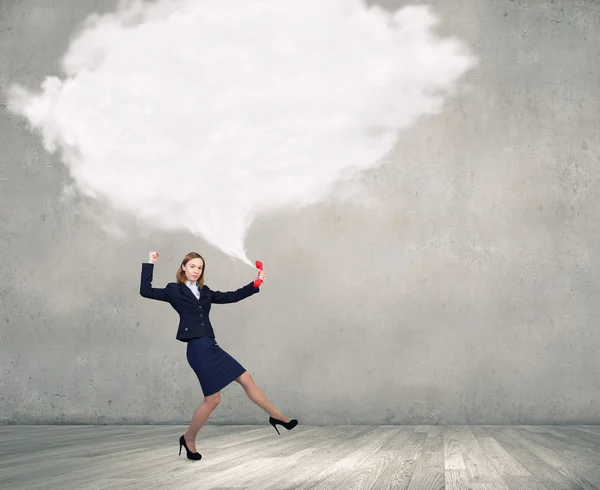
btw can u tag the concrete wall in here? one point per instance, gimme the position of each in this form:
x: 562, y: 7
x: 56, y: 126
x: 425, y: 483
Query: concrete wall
x: 466, y: 293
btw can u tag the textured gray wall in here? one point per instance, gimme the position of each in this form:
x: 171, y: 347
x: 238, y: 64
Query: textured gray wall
x: 468, y: 293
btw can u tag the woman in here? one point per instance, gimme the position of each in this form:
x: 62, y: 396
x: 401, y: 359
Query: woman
x: 214, y: 367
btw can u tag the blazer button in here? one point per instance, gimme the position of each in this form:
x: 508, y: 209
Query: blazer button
x: 202, y: 324
x: 186, y: 329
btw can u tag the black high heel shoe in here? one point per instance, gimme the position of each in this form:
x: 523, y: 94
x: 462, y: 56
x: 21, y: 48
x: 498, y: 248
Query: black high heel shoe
x: 190, y: 454
x: 288, y: 425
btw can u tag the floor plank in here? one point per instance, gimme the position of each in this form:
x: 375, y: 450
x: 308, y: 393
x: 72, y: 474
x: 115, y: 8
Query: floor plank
x: 347, y: 457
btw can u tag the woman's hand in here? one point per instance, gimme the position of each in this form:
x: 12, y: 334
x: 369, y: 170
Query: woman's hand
x: 261, y: 275
x: 153, y: 257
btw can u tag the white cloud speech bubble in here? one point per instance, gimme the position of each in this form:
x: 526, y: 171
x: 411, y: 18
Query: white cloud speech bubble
x: 201, y: 115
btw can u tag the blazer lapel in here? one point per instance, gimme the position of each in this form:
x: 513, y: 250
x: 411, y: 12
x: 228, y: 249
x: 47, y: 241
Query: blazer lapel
x: 188, y: 291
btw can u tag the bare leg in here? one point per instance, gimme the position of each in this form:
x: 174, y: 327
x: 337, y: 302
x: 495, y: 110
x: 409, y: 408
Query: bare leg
x: 257, y: 396
x: 200, y: 415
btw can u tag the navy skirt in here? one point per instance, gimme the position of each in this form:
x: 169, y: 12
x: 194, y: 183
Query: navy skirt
x: 214, y: 367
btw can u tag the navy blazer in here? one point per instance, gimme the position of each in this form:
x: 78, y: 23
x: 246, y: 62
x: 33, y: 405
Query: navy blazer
x: 193, y: 312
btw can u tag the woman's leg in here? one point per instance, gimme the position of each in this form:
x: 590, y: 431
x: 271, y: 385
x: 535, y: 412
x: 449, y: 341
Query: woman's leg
x: 200, y: 415
x: 257, y: 396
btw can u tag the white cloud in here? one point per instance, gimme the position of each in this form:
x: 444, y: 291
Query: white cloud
x: 201, y: 115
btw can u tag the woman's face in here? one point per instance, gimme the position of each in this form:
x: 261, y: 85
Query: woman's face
x: 193, y: 269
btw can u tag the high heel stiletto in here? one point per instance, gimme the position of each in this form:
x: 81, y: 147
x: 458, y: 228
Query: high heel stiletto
x: 288, y: 425
x: 190, y: 454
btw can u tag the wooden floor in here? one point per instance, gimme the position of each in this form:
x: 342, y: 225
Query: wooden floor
x: 341, y: 457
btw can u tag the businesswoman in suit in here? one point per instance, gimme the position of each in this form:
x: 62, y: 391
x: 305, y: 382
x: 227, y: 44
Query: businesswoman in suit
x: 214, y: 367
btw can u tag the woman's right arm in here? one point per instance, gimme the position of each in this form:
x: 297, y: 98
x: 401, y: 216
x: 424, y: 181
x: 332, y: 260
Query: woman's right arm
x: 146, y: 289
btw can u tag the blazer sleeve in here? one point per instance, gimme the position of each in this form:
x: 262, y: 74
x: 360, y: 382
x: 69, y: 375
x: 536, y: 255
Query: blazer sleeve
x: 234, y: 296
x: 146, y: 289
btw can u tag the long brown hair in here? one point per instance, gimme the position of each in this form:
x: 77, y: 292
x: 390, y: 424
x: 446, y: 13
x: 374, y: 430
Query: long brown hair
x: 180, y: 275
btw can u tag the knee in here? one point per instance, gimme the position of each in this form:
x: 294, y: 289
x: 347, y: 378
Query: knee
x: 213, y: 400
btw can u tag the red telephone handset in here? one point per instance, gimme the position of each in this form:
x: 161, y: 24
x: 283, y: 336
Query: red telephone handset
x: 258, y: 282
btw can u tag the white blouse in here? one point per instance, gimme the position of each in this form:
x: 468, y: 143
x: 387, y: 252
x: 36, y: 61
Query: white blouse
x: 193, y: 285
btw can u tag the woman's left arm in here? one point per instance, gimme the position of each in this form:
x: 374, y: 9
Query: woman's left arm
x: 248, y: 290
x: 221, y: 297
